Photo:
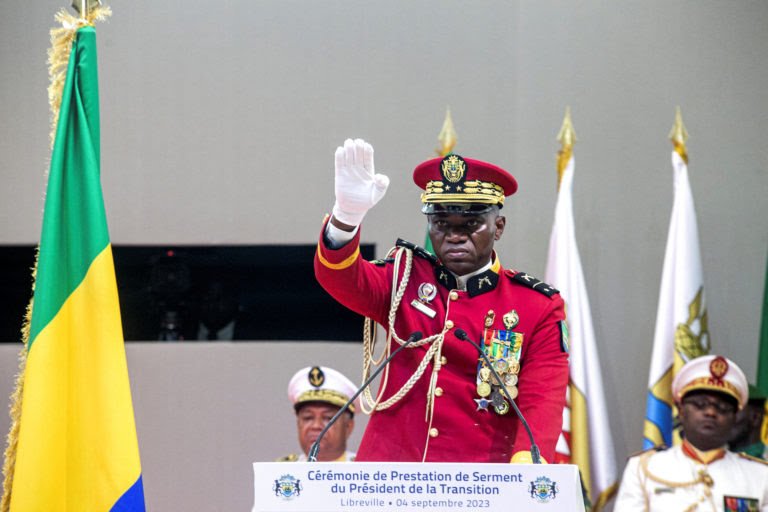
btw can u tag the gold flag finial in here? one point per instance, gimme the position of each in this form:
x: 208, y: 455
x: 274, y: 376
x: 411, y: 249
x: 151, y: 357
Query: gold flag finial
x: 447, y: 136
x: 679, y: 135
x: 567, y: 138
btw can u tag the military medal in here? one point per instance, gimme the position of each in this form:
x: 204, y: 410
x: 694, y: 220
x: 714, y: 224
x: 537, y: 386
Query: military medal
x: 511, y: 320
x: 426, y: 292
x: 489, y: 317
x: 496, y: 399
x: 482, y: 404
x: 500, y: 405
x: 503, y: 348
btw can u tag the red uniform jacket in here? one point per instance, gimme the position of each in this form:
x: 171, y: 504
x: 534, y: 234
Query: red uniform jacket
x: 459, y: 432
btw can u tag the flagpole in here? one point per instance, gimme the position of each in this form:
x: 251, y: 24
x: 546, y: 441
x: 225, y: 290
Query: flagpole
x: 85, y: 7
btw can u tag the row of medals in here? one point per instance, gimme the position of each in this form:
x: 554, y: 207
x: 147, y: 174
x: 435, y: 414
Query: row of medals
x: 488, y: 385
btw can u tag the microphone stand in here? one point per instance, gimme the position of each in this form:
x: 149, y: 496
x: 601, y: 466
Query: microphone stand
x: 312, y: 456
x: 535, y: 454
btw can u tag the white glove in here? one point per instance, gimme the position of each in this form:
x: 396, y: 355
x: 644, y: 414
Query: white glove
x: 358, y: 187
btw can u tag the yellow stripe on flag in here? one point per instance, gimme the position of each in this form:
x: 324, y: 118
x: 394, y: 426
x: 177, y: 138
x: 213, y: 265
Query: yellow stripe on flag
x: 652, y: 432
x: 78, y: 448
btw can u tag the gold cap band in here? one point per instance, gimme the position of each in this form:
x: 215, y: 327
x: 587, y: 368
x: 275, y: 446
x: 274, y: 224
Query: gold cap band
x: 709, y: 384
x: 323, y: 395
x: 474, y: 191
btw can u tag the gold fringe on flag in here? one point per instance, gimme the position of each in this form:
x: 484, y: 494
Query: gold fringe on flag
x: 58, y: 54
x: 58, y: 60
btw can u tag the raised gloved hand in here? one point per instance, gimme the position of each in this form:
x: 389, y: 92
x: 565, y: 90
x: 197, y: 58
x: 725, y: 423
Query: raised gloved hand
x: 358, y: 187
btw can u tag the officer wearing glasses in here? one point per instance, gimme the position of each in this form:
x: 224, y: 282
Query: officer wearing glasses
x: 700, y: 473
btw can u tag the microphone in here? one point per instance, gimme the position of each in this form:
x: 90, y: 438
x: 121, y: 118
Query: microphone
x: 535, y: 454
x: 312, y: 456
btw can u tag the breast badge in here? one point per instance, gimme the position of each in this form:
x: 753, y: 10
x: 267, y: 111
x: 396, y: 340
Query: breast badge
x: 426, y: 292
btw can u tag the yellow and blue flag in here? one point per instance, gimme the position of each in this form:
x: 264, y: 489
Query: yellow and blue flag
x: 77, y: 448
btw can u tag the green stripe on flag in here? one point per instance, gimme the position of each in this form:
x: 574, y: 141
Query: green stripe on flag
x: 762, y: 362
x: 74, y: 222
x: 428, y: 244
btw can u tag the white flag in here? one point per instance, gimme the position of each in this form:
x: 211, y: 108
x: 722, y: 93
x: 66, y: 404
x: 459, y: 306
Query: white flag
x: 587, y: 434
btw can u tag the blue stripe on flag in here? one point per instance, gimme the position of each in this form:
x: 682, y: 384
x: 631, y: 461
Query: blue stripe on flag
x: 132, y: 500
x: 659, y: 413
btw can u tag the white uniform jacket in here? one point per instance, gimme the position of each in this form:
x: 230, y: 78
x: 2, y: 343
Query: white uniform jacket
x: 671, y: 481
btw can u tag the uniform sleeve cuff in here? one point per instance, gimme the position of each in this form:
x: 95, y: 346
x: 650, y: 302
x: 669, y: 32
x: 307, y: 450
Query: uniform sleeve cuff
x: 337, y: 258
x: 336, y: 238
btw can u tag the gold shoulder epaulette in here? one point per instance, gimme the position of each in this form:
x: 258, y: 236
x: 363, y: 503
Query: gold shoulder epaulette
x: 288, y: 458
x: 752, y: 458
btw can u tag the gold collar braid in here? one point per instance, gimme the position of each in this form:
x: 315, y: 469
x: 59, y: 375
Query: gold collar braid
x: 703, y: 477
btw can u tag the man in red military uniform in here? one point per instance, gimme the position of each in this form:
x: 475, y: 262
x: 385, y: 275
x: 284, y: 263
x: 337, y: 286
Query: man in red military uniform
x: 439, y: 400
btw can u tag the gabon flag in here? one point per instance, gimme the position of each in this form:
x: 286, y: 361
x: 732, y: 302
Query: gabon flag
x: 74, y: 445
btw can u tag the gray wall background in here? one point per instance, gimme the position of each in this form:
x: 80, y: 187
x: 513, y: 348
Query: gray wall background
x: 219, y: 122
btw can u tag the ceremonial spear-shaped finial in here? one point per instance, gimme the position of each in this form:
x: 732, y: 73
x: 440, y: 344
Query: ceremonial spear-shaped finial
x: 447, y: 136
x: 567, y: 138
x: 679, y: 135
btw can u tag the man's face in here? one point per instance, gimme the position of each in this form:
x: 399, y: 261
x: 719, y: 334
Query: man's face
x: 707, y: 419
x: 311, y: 418
x: 464, y: 243
x: 747, y: 425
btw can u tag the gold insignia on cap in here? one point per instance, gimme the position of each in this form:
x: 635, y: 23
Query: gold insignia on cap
x: 453, y: 168
x: 718, y: 367
x: 316, y: 376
